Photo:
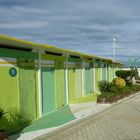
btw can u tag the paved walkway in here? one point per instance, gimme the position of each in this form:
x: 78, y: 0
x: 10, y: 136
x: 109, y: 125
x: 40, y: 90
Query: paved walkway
x: 81, y: 110
x: 121, y: 122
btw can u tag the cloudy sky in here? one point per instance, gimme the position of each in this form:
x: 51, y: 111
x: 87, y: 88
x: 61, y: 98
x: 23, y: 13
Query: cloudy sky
x: 84, y: 25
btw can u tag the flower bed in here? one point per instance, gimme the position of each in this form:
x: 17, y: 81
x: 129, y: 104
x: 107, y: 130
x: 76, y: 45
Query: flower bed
x: 110, y: 97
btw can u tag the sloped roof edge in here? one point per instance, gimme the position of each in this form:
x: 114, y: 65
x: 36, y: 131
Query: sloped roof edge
x: 11, y: 41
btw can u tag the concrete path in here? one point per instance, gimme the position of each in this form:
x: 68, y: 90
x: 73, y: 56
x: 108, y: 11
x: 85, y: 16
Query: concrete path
x: 120, y: 122
x: 82, y: 110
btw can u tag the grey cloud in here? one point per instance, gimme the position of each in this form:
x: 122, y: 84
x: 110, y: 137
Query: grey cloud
x: 83, y: 25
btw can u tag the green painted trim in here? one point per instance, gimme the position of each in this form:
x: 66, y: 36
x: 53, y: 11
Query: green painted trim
x: 74, y: 59
x: 59, y: 64
x: 52, y: 57
x: 88, y: 61
x: 17, y: 53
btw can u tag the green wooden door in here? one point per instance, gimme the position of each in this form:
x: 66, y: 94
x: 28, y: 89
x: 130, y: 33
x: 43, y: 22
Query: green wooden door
x: 71, y: 84
x: 60, y: 83
x: 48, y: 89
x: 111, y: 73
x: 60, y: 87
x: 92, y: 79
x: 97, y: 77
x: 27, y: 87
x: 108, y: 73
x: 78, y: 82
x: 88, y: 80
x: 104, y: 72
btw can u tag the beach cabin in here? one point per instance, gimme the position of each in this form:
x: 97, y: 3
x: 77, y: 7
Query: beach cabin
x: 41, y: 79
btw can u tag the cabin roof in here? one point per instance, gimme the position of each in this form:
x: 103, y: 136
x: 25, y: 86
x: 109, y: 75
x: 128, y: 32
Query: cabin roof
x: 19, y: 43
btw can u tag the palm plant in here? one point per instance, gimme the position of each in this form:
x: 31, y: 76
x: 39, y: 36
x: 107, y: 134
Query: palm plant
x: 18, y: 119
x: 1, y: 113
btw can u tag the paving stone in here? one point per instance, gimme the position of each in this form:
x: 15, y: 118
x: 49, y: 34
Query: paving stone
x: 121, y: 123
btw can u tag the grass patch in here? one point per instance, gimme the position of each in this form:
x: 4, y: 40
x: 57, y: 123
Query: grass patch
x: 89, y: 98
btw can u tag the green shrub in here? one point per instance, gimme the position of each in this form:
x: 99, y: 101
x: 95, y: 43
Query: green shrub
x: 1, y: 113
x: 129, y: 84
x: 103, y: 86
x: 107, y: 87
x: 3, y: 120
x: 4, y: 124
x: 114, y: 96
x: 15, y: 120
x: 127, y: 75
x: 113, y: 88
x: 18, y: 119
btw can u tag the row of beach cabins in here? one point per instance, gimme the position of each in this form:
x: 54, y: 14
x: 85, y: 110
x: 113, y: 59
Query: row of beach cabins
x: 42, y: 78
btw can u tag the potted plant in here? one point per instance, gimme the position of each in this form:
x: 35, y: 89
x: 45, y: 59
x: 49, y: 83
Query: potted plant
x: 3, y: 133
